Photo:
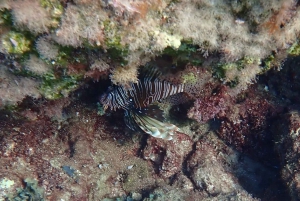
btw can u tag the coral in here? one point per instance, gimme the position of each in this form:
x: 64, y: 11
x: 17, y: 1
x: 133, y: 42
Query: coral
x: 45, y: 147
x: 75, y: 154
x: 65, y: 50
x: 134, y: 32
x: 210, y: 106
x: 100, y: 65
x: 84, y: 22
x: 14, y: 89
x: 37, y: 16
x: 132, y: 8
x: 98, y: 69
x: 217, y: 17
x: 46, y: 48
x: 36, y: 65
x: 124, y: 75
x: 245, y: 78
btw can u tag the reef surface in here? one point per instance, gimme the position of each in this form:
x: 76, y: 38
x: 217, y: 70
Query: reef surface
x: 239, y: 123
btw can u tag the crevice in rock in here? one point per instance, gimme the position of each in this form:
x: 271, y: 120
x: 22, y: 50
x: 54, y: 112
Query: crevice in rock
x: 185, y: 169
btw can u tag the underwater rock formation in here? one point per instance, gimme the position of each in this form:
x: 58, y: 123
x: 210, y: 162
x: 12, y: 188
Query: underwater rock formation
x: 134, y: 32
x: 56, y: 140
x: 168, y: 156
x: 287, y: 147
x: 75, y: 154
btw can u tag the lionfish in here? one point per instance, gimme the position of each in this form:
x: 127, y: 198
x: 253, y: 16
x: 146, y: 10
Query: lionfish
x: 136, y: 102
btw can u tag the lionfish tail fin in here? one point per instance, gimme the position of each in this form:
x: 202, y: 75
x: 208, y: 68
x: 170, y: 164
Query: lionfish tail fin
x: 154, y: 127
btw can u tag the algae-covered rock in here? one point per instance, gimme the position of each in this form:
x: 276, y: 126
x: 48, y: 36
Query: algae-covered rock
x: 31, y: 191
x: 15, y: 43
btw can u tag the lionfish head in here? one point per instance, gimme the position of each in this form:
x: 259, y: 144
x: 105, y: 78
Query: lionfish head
x: 106, y: 99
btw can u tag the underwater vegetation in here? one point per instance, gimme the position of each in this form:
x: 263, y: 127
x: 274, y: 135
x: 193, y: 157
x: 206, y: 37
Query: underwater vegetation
x: 214, y: 83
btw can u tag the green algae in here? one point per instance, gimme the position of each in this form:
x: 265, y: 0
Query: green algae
x: 15, y: 43
x: 186, y: 53
x: 55, y: 9
x: 294, y: 50
x: 6, y: 17
x: 190, y: 78
x: 112, y: 43
x: 219, y: 70
x: 55, y: 87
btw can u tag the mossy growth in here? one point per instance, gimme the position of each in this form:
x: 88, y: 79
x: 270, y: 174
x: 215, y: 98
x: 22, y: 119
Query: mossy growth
x: 186, y: 53
x: 267, y: 63
x: 112, y: 43
x: 55, y: 9
x: 221, y: 68
x: 112, y: 39
x: 13, y: 40
x: 31, y: 191
x: 294, y: 50
x: 54, y: 6
x: 190, y: 78
x: 64, y: 56
x: 57, y: 86
x: 15, y: 43
x: 6, y: 17
x: 67, y: 55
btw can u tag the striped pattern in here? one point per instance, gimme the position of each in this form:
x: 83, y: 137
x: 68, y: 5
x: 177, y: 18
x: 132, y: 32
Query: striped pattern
x: 116, y: 98
x: 146, y: 92
x: 140, y: 94
x: 154, y: 127
x: 135, y: 102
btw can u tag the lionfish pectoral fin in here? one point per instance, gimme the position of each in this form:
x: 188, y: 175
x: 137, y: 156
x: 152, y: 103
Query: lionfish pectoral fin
x: 129, y: 121
x: 154, y: 127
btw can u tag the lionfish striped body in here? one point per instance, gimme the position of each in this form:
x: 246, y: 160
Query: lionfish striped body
x: 136, y: 101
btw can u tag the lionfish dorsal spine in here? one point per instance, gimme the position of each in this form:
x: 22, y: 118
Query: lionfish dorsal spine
x: 139, y: 96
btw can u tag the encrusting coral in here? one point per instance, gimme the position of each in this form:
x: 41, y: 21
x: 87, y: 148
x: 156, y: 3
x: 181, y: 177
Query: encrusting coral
x: 138, y: 31
x: 36, y: 16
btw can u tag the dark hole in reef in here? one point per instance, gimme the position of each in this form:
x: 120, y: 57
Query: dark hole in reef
x: 92, y: 91
x: 178, y: 113
x: 90, y: 95
x: 2, y: 56
x: 260, y: 180
x: 284, y: 89
x: 281, y: 26
x: 284, y: 85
